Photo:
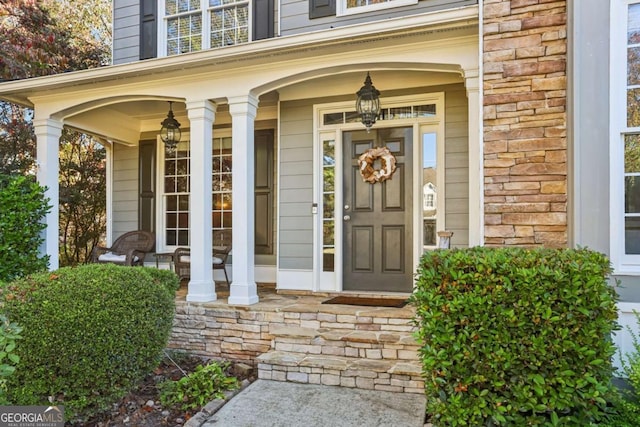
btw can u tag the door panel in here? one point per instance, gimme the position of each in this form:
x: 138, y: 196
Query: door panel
x: 377, y: 218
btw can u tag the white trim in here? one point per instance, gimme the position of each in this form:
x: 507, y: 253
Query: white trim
x: 108, y: 148
x: 622, y: 263
x: 298, y: 280
x: 622, y: 338
x: 342, y: 9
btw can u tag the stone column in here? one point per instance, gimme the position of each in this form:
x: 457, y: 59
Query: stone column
x: 48, y: 132
x: 243, y: 287
x: 201, y: 117
x: 525, y: 123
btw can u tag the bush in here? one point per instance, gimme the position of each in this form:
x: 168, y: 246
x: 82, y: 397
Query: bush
x: 199, y: 387
x: 514, y: 337
x: 9, y: 334
x: 22, y: 209
x: 90, y: 333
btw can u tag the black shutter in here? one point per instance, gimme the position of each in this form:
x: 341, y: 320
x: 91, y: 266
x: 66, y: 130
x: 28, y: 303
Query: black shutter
x: 262, y: 19
x: 146, y: 185
x: 264, y: 169
x: 148, y: 29
x: 321, y: 8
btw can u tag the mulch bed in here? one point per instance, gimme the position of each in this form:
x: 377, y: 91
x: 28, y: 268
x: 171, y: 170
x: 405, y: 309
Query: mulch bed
x: 141, y: 407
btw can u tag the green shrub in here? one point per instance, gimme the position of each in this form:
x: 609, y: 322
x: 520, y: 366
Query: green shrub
x: 22, y: 209
x: 9, y: 334
x: 199, y: 387
x: 90, y: 333
x: 515, y: 337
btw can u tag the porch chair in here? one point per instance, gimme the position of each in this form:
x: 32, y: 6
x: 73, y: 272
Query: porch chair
x: 182, y: 261
x: 128, y: 249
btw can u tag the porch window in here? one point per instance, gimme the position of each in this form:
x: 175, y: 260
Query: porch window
x: 349, y: 7
x: 193, y: 25
x: 177, y: 189
x: 176, y: 196
x: 328, y: 203
x: 429, y: 186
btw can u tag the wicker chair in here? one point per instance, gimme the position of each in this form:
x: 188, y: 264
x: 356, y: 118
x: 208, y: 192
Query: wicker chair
x: 182, y: 261
x: 128, y: 249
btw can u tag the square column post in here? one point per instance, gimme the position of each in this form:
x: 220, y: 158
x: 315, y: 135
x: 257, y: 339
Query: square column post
x: 201, y: 117
x: 476, y: 179
x: 48, y: 132
x: 243, y: 113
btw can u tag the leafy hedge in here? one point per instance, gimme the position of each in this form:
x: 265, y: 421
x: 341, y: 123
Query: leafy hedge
x: 514, y: 337
x: 89, y: 333
x: 22, y: 209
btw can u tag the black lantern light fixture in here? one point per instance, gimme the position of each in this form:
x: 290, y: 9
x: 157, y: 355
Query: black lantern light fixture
x: 170, y: 132
x: 368, y: 103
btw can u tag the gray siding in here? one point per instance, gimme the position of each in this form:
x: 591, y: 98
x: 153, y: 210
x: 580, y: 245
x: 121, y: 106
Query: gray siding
x: 296, y: 174
x: 125, y: 189
x: 456, y: 148
x: 295, y: 15
x: 296, y: 185
x: 126, y: 31
x: 589, y: 133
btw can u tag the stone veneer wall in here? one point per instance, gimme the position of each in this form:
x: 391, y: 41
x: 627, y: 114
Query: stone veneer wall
x: 525, y: 146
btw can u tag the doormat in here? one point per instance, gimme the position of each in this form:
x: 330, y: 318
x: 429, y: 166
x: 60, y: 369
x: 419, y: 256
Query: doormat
x: 371, y: 302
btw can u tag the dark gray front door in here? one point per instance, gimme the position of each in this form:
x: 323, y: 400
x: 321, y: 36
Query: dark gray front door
x: 377, y: 218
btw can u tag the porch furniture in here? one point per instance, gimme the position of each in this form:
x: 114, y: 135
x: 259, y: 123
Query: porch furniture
x: 128, y: 249
x: 164, y: 256
x: 444, y: 241
x: 182, y: 261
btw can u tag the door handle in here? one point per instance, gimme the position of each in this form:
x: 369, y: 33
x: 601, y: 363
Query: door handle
x: 347, y: 217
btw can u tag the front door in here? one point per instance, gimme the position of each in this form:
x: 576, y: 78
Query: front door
x: 377, y: 217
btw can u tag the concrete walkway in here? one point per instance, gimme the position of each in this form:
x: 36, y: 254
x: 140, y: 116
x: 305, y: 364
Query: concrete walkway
x: 280, y: 404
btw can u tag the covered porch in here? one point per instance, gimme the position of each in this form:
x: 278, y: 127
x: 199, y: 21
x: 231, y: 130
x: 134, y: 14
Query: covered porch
x: 289, y: 222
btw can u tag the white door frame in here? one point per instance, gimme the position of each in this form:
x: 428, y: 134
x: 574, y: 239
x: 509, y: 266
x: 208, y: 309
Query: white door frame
x: 332, y: 281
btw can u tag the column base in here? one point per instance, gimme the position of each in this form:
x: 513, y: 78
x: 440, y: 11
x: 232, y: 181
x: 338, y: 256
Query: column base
x: 243, y: 294
x: 201, y: 291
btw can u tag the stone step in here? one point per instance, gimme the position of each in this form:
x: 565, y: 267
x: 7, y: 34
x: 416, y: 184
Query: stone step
x: 375, y: 345
x: 387, y: 375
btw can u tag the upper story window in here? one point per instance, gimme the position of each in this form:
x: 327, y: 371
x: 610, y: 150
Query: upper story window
x: 193, y: 25
x: 349, y: 7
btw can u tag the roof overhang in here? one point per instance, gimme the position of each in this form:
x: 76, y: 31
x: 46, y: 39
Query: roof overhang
x: 433, y: 25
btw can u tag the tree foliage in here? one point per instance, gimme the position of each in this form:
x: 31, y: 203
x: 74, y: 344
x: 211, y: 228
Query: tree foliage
x: 39, y: 38
x: 82, y: 196
x: 33, y: 43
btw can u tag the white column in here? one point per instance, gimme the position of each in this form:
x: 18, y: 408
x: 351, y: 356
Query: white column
x: 48, y: 132
x: 476, y: 184
x: 243, y: 113
x: 201, y: 117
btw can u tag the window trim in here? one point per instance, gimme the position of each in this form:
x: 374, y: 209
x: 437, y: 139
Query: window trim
x: 205, y: 11
x: 622, y: 262
x: 343, y: 10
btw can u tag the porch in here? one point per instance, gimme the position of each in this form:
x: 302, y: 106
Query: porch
x: 295, y: 337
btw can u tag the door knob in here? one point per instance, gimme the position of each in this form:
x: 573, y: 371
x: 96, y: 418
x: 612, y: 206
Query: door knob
x: 346, y: 217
